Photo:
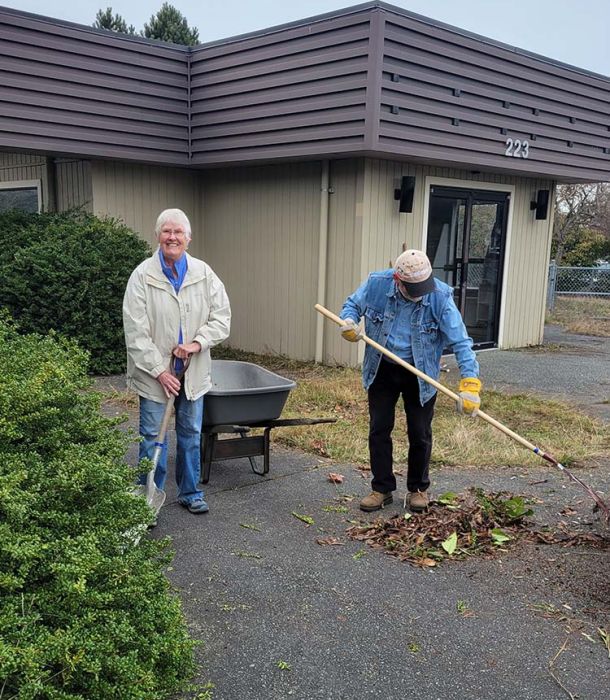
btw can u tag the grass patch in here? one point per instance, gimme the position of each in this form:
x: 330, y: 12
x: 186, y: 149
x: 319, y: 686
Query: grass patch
x: 582, y: 315
x: 571, y: 436
x: 337, y: 392
x: 124, y: 398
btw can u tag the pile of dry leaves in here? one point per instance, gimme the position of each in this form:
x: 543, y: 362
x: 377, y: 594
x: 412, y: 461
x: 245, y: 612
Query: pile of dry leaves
x: 461, y: 525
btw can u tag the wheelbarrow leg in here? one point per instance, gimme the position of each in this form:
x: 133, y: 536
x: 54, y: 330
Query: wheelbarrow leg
x: 207, y: 452
x: 253, y: 464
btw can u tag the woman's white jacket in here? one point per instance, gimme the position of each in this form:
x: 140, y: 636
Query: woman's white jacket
x: 153, y: 314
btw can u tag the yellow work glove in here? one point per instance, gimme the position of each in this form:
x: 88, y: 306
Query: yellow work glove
x: 350, y: 331
x: 469, y: 401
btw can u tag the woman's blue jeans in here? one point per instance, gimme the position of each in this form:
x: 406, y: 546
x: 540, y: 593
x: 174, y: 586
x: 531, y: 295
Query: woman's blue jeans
x: 189, y: 416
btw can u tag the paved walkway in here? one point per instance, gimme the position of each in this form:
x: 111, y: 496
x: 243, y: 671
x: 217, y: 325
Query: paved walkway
x: 572, y: 367
x: 280, y: 616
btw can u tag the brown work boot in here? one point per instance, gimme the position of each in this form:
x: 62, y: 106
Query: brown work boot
x: 375, y: 501
x: 418, y: 501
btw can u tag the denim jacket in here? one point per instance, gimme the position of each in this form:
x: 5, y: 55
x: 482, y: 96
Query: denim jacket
x: 436, y: 323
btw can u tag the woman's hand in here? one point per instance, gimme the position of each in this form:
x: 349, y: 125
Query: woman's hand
x: 185, y: 349
x: 170, y: 384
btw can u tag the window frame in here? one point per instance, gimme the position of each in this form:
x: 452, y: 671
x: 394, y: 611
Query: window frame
x: 24, y: 185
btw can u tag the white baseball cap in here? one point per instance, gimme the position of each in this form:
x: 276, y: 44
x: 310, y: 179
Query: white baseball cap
x: 414, y: 270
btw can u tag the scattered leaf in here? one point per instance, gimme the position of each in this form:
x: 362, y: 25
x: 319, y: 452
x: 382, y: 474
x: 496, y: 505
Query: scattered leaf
x: 498, y: 536
x: 335, y: 509
x: 319, y: 447
x: 463, y: 609
x: 426, y: 561
x: 335, y: 478
x: 307, y: 519
x: 450, y: 543
x: 516, y: 508
x: 448, y: 498
x: 329, y: 540
x: 250, y: 527
x: 247, y: 555
x: 413, y: 647
x: 359, y: 554
x: 284, y: 666
x: 605, y: 638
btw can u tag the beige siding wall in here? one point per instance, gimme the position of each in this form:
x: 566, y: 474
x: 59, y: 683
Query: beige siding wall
x: 73, y: 185
x: 526, y: 270
x: 136, y: 194
x: 261, y: 232
x: 72, y: 179
x: 345, y: 230
x: 261, y: 236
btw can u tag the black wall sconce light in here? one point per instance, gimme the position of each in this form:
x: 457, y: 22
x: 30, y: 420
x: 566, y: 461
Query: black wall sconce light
x: 404, y: 195
x: 541, y: 204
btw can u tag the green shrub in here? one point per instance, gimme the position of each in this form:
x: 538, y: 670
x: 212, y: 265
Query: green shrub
x: 84, y: 612
x: 68, y: 272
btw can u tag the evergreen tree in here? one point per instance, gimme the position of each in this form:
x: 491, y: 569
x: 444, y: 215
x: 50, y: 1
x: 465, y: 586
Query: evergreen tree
x: 169, y: 24
x: 115, y: 23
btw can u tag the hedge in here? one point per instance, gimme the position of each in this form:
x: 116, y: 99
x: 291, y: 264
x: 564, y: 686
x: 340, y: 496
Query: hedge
x: 85, y: 613
x: 68, y: 272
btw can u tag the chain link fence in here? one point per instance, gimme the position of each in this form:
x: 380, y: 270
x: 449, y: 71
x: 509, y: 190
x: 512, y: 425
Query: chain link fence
x: 577, y: 281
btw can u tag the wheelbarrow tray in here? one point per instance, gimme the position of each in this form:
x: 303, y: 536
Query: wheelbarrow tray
x: 243, y: 393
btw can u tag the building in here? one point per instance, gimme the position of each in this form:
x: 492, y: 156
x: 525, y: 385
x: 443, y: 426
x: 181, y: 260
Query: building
x: 307, y: 154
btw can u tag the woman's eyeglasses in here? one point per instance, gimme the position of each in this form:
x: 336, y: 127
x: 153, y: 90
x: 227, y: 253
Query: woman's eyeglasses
x: 179, y: 233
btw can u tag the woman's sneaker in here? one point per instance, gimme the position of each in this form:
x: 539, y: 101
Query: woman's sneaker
x: 197, y: 506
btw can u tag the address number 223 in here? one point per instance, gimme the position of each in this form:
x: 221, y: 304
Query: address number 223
x: 516, y: 148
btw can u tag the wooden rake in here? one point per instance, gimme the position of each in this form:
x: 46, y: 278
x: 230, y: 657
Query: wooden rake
x: 481, y: 414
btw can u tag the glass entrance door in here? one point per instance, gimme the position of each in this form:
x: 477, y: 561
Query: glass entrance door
x: 466, y: 237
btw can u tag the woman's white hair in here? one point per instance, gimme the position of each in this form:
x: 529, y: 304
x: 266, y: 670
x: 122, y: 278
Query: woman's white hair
x: 176, y: 216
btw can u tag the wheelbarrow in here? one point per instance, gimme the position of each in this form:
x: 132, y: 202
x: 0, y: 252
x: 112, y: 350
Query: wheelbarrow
x: 244, y: 396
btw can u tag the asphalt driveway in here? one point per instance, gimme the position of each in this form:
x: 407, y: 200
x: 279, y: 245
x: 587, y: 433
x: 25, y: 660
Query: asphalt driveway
x: 280, y: 616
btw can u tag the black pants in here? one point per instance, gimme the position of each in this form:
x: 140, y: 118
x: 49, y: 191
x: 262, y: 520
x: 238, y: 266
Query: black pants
x: 391, y: 381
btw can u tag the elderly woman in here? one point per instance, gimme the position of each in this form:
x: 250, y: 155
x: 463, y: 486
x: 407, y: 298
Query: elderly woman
x: 174, y: 304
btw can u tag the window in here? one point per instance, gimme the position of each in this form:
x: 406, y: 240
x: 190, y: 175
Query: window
x: 23, y: 195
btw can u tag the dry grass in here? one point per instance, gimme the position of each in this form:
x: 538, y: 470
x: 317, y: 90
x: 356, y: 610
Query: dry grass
x: 582, y: 315
x: 124, y: 398
x: 337, y: 392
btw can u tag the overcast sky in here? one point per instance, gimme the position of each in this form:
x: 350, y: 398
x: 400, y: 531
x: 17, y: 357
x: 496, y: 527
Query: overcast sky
x: 573, y: 31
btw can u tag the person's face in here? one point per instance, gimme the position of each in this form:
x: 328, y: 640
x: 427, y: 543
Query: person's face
x: 403, y: 290
x: 172, y: 241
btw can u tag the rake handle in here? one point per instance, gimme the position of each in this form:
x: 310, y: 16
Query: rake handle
x: 437, y: 385
x: 167, y: 414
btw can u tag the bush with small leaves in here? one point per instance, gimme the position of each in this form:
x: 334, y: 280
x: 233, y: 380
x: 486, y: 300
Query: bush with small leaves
x: 68, y: 272
x: 85, y: 612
